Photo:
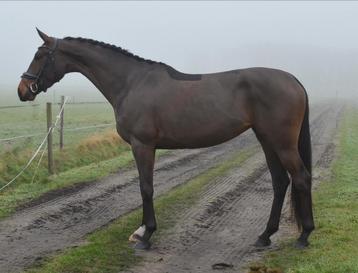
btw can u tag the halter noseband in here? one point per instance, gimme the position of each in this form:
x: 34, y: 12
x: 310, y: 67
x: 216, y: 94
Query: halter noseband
x: 34, y: 87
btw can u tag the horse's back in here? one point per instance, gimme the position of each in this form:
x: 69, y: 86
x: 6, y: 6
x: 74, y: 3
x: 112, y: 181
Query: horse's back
x: 263, y: 94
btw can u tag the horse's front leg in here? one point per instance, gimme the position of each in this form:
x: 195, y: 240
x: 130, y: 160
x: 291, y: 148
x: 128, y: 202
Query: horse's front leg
x: 144, y: 157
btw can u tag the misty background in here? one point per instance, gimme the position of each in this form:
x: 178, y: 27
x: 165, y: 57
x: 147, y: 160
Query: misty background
x: 315, y: 41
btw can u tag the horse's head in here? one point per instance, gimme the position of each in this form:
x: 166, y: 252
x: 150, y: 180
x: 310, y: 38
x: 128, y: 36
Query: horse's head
x: 45, y: 69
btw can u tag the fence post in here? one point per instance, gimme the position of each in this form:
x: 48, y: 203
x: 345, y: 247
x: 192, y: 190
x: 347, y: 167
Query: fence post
x: 49, y: 139
x: 62, y: 122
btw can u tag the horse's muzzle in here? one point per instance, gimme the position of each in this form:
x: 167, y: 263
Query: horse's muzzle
x: 24, y: 91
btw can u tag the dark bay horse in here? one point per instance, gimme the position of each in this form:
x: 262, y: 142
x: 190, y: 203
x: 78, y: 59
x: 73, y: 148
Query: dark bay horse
x: 156, y: 106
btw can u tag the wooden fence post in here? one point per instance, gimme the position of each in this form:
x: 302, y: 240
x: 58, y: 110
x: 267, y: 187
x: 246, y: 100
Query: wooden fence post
x: 49, y: 138
x: 62, y: 121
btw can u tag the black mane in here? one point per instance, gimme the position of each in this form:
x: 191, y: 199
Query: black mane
x: 171, y: 71
x: 112, y: 47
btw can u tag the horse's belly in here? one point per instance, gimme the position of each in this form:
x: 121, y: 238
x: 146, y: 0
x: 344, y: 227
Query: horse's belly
x: 199, y: 136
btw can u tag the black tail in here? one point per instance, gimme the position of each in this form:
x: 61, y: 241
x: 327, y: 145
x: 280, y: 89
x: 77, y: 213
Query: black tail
x: 304, y: 148
x: 304, y: 141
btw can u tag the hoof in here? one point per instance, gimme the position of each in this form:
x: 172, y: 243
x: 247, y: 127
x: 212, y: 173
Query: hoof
x: 137, y: 235
x: 301, y: 244
x: 135, y: 238
x: 262, y: 242
x: 143, y: 245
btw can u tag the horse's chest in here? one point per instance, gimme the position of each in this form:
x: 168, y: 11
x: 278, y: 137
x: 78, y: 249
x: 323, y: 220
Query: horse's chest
x: 122, y: 129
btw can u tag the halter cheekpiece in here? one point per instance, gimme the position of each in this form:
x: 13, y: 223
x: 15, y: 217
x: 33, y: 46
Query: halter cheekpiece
x: 34, y: 87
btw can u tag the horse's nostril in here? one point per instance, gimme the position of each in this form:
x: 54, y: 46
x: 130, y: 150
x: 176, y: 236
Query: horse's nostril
x: 20, y: 94
x: 22, y: 90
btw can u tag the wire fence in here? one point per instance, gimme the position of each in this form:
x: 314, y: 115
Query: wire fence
x: 46, y: 144
x: 14, y: 138
x: 70, y: 101
x: 18, y: 137
x: 19, y: 106
x: 49, y: 131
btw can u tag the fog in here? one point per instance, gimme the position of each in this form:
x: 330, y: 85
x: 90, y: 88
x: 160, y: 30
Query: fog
x: 315, y: 41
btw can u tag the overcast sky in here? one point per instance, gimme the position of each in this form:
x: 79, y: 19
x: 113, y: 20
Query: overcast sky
x: 316, y: 41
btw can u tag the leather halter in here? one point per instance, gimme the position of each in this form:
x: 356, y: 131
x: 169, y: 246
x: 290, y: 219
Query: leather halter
x: 34, y: 87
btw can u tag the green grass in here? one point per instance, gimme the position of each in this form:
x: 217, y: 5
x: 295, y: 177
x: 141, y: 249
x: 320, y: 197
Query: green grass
x: 108, y: 250
x: 92, y: 158
x: 25, y: 192
x: 81, y: 147
x: 80, y: 161
x: 334, y: 243
x: 32, y: 120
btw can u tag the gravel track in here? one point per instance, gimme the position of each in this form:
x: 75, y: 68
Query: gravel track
x: 221, y: 227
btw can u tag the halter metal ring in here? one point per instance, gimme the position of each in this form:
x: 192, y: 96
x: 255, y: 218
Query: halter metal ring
x: 34, y: 88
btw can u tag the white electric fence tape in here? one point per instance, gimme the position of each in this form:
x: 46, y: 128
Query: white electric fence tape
x: 39, y: 148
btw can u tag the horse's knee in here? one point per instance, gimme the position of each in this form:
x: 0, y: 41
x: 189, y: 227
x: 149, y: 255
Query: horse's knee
x: 147, y: 193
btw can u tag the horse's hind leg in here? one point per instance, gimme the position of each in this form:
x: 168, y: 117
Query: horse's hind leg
x: 280, y: 182
x: 301, y: 192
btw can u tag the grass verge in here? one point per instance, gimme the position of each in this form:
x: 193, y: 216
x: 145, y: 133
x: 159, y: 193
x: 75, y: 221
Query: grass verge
x: 334, y: 243
x: 25, y: 192
x: 108, y: 249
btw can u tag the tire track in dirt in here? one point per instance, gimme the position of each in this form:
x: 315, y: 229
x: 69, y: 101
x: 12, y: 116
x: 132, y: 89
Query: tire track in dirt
x: 233, y: 211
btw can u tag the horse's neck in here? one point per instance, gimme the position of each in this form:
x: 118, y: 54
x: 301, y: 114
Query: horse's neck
x: 111, y: 72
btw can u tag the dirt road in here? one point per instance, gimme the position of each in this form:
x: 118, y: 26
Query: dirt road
x: 222, y: 226
x: 230, y: 214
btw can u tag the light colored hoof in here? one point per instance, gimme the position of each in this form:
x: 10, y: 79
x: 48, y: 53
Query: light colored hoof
x: 139, y: 233
x: 133, y: 238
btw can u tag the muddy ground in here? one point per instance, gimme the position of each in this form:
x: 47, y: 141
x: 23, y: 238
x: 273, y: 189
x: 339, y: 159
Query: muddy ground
x: 221, y: 227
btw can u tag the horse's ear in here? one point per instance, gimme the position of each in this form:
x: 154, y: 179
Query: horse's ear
x: 43, y: 36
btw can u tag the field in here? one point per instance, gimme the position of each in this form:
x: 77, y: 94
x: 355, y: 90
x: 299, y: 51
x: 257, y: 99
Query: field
x: 30, y: 120
x: 211, y: 204
x: 89, y: 138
